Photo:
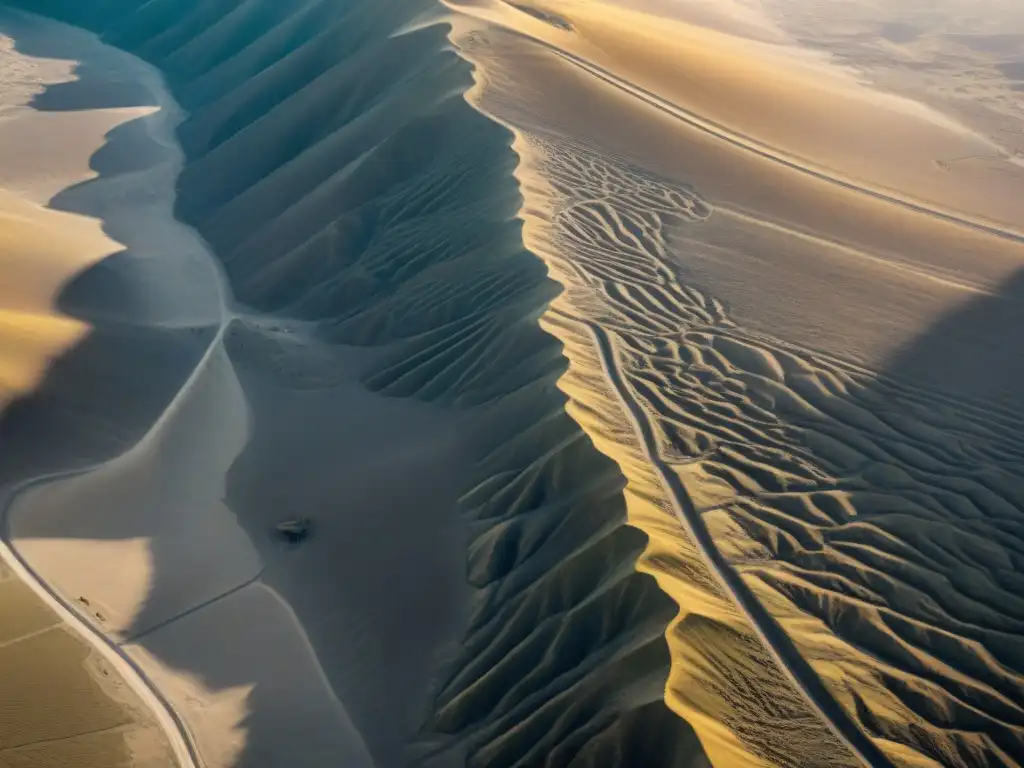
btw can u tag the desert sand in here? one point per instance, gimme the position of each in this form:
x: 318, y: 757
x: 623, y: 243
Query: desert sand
x: 649, y: 380
x: 93, y: 538
x: 798, y: 343
x: 381, y: 371
x: 68, y: 698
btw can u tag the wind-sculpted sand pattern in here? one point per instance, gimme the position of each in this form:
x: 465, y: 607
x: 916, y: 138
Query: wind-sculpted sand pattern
x: 365, y: 215
x: 623, y: 303
x: 879, y: 526
x: 692, y: 544
x: 564, y: 655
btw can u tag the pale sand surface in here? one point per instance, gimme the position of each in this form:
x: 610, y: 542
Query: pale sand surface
x: 381, y: 478
x: 167, y: 546
x: 127, y: 153
x: 42, y: 249
x: 469, y: 588
x: 99, y: 537
x: 310, y: 726
x: 959, y: 56
x: 65, y: 702
x: 96, y: 530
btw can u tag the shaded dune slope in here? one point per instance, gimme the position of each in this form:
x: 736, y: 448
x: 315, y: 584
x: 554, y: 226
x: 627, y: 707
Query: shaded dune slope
x: 366, y: 216
x: 344, y: 182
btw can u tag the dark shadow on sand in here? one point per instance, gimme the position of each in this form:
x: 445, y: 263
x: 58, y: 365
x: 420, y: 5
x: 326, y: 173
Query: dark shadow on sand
x: 92, y: 407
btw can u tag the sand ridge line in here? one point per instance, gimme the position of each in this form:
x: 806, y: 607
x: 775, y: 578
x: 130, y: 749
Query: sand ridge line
x: 650, y: 347
x: 787, y: 657
x: 468, y: 184
x: 636, y: 236
x: 172, y: 722
x: 160, y: 121
x: 178, y: 733
x: 712, y: 384
x: 167, y: 675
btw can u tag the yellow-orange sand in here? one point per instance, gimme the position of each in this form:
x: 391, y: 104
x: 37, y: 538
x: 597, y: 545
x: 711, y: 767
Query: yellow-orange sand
x: 790, y: 322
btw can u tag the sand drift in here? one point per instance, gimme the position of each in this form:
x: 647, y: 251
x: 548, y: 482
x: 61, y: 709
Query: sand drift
x: 645, y: 389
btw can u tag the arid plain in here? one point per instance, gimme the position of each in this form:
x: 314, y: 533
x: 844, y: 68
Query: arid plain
x: 648, y: 373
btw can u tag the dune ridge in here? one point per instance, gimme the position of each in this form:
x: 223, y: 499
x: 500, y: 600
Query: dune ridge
x: 72, y: 695
x: 808, y: 471
x: 368, y: 229
x: 423, y: 212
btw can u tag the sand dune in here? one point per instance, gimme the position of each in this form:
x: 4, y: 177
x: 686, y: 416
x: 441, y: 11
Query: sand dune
x: 649, y: 382
x: 743, y: 316
x: 403, y: 344
x: 69, y: 697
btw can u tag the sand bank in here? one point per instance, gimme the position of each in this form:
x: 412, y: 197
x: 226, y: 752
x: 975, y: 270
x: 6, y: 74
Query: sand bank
x: 139, y: 539
x: 76, y: 697
x: 469, y: 591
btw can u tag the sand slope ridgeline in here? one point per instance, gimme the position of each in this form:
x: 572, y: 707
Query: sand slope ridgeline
x: 645, y: 379
x: 808, y: 373
x: 365, y: 215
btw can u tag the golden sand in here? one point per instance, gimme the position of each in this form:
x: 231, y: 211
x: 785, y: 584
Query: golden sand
x: 65, y: 705
x: 767, y: 513
x: 663, y: 164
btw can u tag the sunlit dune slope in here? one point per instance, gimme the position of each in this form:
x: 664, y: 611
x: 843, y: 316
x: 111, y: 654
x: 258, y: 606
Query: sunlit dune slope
x: 42, y: 250
x: 767, y: 514
x: 808, y: 362
x: 34, y: 269
x: 67, y: 701
x: 366, y: 217
x: 791, y: 104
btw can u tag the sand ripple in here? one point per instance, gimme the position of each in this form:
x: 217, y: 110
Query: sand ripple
x: 877, y: 521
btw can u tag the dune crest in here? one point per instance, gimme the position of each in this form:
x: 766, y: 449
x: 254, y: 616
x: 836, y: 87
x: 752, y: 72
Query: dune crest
x: 792, y: 467
x: 687, y: 351
x: 386, y: 327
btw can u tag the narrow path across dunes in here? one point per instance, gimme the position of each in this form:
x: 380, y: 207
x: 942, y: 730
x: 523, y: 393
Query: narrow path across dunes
x: 775, y: 640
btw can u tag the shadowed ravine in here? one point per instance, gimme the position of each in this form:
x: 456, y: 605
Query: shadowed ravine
x: 472, y: 349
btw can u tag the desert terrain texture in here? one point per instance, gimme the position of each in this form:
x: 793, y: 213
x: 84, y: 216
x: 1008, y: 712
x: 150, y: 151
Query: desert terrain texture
x: 643, y: 377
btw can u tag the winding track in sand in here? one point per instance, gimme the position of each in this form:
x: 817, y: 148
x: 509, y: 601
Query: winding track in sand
x: 171, y: 721
x: 172, y: 724
x: 777, y: 643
